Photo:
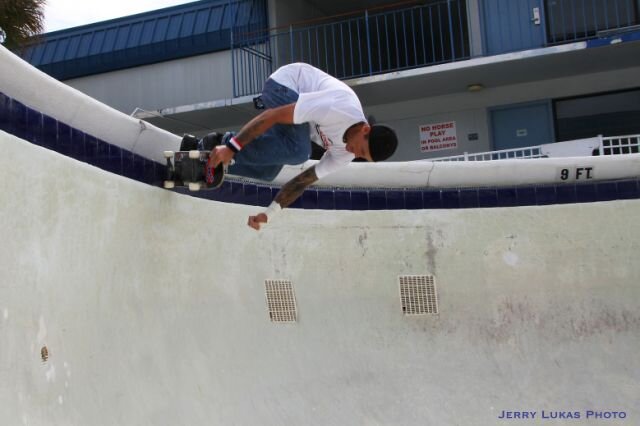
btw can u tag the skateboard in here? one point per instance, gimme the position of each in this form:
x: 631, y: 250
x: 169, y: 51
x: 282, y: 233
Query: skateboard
x: 190, y: 169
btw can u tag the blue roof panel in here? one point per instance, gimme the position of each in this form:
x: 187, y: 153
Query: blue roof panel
x: 174, y: 27
x: 83, y: 48
x: 59, y: 50
x: 72, y: 48
x: 161, y: 35
x: 160, y: 31
x: 95, y: 47
x: 215, y: 22
x: 122, y: 37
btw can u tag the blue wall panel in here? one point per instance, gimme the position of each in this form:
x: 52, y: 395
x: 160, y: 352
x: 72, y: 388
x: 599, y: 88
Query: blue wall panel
x: 508, y: 25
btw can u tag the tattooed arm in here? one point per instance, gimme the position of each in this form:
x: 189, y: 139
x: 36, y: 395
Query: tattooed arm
x: 295, y: 187
x: 264, y: 121
x: 254, y: 128
x: 287, y: 195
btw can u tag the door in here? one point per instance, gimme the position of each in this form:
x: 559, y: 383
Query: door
x: 521, y: 126
x: 512, y: 25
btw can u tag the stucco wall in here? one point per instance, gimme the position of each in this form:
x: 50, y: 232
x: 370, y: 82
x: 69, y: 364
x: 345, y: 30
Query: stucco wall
x: 151, y: 307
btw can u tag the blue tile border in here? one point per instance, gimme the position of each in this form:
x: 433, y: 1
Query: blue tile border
x: 342, y: 200
x: 430, y: 199
x: 378, y: 200
x: 488, y: 197
x: 606, y: 191
x: 326, y: 199
x: 396, y: 200
x: 507, y: 197
x: 469, y: 198
x: 546, y: 195
x: 413, y: 199
x: 309, y: 200
x: 40, y: 129
x: 627, y: 189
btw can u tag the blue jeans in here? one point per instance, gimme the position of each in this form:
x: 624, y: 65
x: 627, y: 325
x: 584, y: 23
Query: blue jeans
x: 282, y: 144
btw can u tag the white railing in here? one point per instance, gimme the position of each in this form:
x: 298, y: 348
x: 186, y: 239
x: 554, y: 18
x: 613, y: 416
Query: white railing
x: 616, y: 145
x: 610, y: 145
x: 530, y: 152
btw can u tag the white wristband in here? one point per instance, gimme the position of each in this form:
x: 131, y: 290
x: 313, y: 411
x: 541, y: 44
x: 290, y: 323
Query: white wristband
x: 273, y: 209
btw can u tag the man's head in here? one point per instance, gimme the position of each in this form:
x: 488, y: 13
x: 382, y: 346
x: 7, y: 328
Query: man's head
x: 372, y: 143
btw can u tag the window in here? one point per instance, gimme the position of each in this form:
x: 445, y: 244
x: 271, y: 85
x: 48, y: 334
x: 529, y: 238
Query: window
x: 611, y: 114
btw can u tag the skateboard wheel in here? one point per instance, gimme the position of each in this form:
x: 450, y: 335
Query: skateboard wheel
x: 194, y: 186
x: 194, y: 154
x: 168, y: 154
x: 169, y: 184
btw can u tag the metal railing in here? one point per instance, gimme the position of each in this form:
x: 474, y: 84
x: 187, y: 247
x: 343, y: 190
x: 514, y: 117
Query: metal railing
x: 505, y: 154
x: 609, y: 145
x: 363, y: 44
x: 574, y: 20
x: 616, y: 145
x: 425, y: 34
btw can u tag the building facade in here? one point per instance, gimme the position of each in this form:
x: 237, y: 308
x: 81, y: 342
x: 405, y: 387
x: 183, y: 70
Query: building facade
x: 451, y: 76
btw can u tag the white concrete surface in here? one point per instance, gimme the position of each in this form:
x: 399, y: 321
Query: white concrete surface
x: 151, y: 306
x: 26, y: 84
x: 427, y: 174
x: 35, y: 89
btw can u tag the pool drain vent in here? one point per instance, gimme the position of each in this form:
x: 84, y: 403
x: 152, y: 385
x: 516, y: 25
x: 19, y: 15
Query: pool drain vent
x: 281, y: 301
x: 418, y: 294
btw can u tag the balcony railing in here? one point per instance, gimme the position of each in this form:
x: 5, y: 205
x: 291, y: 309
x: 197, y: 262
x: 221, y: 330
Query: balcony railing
x: 573, y: 20
x: 600, y: 145
x: 505, y: 154
x: 429, y: 33
x: 619, y: 145
x: 360, y: 45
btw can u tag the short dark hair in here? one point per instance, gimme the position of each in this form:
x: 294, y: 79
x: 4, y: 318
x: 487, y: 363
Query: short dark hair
x: 382, y: 142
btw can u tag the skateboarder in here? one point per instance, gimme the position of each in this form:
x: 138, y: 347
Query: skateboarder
x: 302, y: 103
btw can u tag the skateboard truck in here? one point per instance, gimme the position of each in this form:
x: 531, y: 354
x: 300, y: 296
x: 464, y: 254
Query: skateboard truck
x: 190, y: 169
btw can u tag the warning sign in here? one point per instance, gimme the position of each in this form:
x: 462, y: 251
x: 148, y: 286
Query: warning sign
x: 438, y: 136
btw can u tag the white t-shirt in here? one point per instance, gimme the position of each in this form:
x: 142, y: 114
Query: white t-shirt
x: 328, y: 105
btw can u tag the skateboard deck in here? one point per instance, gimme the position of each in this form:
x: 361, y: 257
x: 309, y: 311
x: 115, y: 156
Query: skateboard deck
x: 189, y: 169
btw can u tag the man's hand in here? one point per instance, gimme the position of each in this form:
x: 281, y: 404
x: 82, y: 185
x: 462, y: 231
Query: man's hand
x: 287, y: 195
x: 255, y: 221
x: 220, y: 154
